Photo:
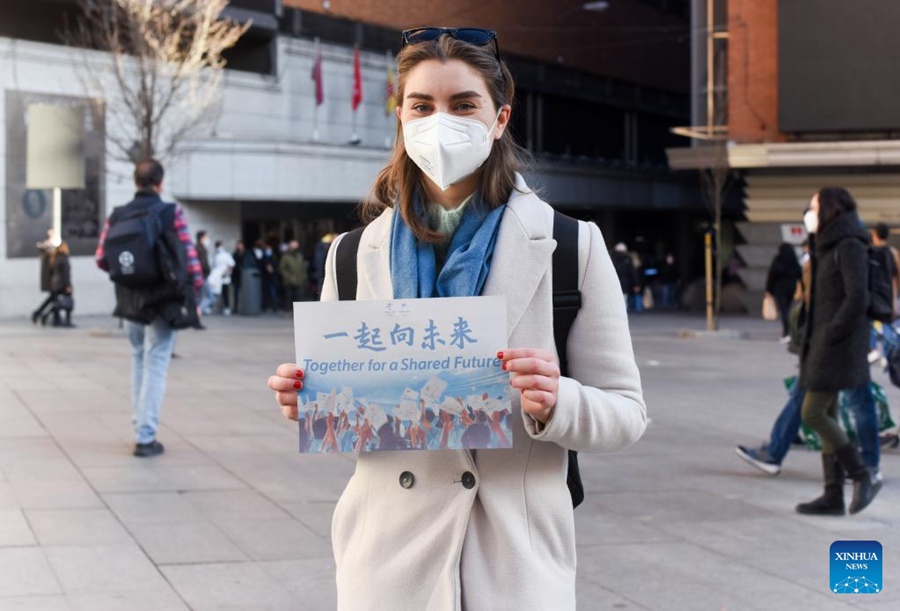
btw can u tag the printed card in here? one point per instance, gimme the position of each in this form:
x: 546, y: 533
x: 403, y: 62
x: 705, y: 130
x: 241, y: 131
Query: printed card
x: 412, y: 374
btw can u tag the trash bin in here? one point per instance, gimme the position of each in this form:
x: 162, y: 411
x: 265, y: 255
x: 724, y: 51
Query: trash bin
x: 250, y: 300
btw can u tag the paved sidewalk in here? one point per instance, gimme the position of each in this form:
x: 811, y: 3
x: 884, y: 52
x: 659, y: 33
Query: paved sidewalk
x: 231, y: 517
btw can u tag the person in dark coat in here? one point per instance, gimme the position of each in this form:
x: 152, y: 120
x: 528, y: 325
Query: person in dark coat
x: 781, y: 284
x: 46, y: 247
x: 60, y: 287
x: 835, y: 344
x: 627, y: 274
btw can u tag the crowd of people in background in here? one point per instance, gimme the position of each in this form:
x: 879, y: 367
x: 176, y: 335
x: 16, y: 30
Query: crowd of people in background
x: 285, y: 273
x: 647, y: 282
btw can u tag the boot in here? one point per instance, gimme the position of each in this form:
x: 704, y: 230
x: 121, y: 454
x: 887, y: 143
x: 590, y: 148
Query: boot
x: 865, y: 487
x: 831, y: 503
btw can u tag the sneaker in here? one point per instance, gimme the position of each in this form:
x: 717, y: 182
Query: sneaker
x: 759, y: 459
x: 874, y: 357
x: 890, y: 440
x: 785, y: 340
x: 877, y: 477
x: 145, y: 450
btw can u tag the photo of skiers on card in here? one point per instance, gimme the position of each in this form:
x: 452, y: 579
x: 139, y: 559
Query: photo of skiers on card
x: 410, y: 375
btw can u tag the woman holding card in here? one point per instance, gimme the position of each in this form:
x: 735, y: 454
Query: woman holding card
x: 451, y: 216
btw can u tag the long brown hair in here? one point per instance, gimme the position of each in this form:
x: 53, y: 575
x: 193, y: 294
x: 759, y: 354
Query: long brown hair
x: 398, y: 182
x: 833, y: 202
x: 62, y: 249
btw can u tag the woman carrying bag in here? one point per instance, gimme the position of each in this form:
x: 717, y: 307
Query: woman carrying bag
x: 451, y: 216
x: 60, y: 287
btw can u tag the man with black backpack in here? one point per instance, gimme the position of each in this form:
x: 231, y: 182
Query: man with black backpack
x: 147, y: 250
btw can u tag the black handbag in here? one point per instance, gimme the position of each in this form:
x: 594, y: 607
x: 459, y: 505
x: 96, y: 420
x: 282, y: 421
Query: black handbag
x: 65, y: 302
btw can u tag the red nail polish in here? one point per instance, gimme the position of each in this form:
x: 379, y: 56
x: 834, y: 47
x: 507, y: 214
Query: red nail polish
x: 500, y: 355
x: 299, y: 373
x: 503, y: 365
x: 298, y: 384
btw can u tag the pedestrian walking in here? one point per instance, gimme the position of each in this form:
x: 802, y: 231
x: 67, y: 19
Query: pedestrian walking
x: 451, y: 216
x: 769, y: 456
x: 781, y: 284
x: 61, y: 296
x: 46, y: 248
x: 835, y: 343
x: 153, y: 308
x: 890, y: 256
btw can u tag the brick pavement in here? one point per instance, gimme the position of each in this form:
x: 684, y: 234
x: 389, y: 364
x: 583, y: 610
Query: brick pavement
x: 231, y: 517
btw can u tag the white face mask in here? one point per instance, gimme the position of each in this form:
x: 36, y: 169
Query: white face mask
x: 447, y: 148
x: 811, y: 220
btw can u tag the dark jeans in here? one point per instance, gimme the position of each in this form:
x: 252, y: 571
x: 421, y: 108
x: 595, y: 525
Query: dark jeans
x: 293, y: 293
x: 40, y: 311
x: 862, y: 404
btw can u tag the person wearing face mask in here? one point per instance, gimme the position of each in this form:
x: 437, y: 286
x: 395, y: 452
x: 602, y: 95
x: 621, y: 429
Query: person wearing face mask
x: 835, y: 343
x: 451, y: 216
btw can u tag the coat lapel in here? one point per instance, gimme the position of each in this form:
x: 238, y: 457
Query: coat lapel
x: 374, y: 259
x: 524, y: 251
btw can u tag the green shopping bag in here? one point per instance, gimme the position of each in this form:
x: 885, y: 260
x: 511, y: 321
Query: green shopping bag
x: 811, y: 438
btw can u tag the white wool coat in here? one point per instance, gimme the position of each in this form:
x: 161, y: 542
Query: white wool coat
x: 508, y: 541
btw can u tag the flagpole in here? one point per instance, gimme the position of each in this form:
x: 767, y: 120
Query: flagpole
x: 357, y: 95
x: 316, y: 66
x: 387, y: 105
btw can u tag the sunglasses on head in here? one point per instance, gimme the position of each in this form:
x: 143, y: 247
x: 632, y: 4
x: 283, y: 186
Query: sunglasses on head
x: 474, y: 36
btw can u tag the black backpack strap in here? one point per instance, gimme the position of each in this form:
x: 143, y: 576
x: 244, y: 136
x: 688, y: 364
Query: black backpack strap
x: 345, y: 264
x: 566, y: 296
x: 566, y: 303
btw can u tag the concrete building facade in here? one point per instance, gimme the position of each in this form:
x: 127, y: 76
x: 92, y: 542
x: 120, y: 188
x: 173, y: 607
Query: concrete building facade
x: 260, y: 172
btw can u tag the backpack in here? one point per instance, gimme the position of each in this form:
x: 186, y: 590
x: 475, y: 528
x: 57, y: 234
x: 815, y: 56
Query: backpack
x: 148, y: 264
x: 132, y: 245
x: 566, y: 303
x: 881, y: 284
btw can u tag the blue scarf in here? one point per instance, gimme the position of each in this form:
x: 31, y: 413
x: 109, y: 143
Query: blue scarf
x: 413, y: 265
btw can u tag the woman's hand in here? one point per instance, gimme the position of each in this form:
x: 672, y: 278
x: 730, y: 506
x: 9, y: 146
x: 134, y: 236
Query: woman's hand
x: 535, y: 373
x: 288, y: 379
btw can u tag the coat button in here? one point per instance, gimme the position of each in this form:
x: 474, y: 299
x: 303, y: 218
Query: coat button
x: 407, y: 480
x: 468, y: 480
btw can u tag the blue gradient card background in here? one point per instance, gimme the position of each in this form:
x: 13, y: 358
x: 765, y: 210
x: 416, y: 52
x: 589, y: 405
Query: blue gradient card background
x: 861, y: 574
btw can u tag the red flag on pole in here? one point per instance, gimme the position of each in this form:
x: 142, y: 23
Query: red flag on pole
x: 390, y: 99
x: 357, y: 80
x: 317, y: 76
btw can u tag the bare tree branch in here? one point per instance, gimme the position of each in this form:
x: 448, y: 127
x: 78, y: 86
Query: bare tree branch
x: 161, y: 75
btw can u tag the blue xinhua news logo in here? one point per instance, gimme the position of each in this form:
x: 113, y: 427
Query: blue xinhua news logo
x: 856, y: 567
